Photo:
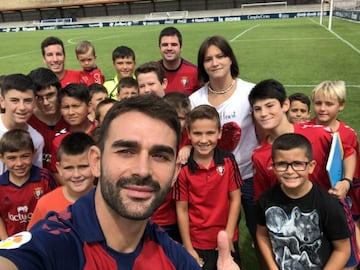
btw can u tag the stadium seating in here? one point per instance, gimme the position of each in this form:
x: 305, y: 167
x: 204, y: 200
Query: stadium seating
x: 38, y: 10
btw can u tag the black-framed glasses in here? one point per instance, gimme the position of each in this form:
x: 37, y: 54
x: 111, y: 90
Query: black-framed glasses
x: 48, y: 97
x: 295, y: 165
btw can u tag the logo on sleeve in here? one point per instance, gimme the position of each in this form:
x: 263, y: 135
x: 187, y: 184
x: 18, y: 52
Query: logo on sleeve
x: 16, y: 240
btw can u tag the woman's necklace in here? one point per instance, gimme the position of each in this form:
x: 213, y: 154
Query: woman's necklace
x: 220, y: 92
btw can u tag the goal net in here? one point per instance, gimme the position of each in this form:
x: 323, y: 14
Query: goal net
x: 349, y: 9
x: 347, y: 5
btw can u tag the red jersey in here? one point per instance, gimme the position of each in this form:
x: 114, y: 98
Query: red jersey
x: 207, y: 192
x: 71, y: 76
x: 166, y: 214
x: 320, y: 139
x: 18, y: 202
x: 91, y: 76
x: 349, y: 137
x: 184, y: 139
x: 48, y: 132
x: 183, y: 79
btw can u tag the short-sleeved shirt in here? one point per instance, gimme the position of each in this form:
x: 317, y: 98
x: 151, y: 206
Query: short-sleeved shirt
x: 349, y: 136
x: 183, y: 79
x: 91, y: 76
x: 207, y: 192
x: 48, y: 133
x: 73, y: 240
x: 55, y: 200
x: 71, y: 76
x: 18, y: 202
x: 301, y: 230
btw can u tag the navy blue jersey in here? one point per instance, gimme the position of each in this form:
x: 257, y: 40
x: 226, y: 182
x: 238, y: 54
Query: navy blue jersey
x: 73, y: 240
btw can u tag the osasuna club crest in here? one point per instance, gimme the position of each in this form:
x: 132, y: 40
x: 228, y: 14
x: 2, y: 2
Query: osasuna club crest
x: 185, y: 81
x: 38, y: 192
x: 221, y: 169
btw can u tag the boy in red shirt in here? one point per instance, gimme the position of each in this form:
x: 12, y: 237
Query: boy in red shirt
x: 47, y: 118
x: 85, y: 54
x: 207, y: 193
x: 328, y: 99
x: 22, y: 185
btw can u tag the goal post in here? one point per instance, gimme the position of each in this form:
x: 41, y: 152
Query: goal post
x: 322, y: 10
x: 348, y: 9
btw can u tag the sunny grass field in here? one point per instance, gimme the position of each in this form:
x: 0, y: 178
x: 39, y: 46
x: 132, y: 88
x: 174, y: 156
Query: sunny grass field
x: 298, y: 52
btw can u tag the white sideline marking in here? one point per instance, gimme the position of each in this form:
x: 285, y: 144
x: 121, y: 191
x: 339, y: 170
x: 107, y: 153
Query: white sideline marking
x: 337, y: 36
x: 346, y: 42
x: 283, y: 39
x: 243, y: 32
x: 18, y: 54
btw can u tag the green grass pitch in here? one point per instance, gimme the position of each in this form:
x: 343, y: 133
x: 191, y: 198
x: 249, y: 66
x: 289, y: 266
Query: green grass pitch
x: 298, y: 52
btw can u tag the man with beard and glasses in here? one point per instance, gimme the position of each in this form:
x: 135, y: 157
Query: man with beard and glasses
x: 136, y: 163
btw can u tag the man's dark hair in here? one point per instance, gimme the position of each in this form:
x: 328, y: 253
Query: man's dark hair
x: 150, y: 105
x: 51, y: 41
x: 170, y: 31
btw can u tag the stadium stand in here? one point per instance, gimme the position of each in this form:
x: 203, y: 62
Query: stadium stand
x: 19, y: 10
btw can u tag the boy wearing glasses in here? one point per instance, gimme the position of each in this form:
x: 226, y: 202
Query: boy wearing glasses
x: 47, y: 119
x: 300, y: 225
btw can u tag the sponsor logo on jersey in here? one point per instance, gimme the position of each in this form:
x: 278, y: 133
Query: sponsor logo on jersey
x: 22, y: 214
